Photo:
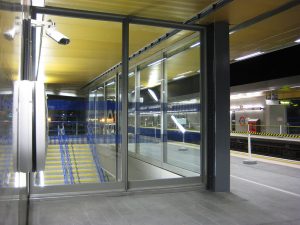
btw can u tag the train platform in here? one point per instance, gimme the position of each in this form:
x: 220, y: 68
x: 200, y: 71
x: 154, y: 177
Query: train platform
x: 266, y: 193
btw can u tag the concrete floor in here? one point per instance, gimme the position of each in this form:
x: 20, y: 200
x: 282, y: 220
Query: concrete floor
x: 260, y: 194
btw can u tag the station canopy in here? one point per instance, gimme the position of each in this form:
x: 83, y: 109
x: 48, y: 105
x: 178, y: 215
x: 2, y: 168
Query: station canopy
x: 96, y: 46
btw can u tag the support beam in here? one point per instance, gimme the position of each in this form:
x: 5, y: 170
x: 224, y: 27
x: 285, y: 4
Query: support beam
x: 84, y: 14
x: 124, y: 101
x: 217, y: 104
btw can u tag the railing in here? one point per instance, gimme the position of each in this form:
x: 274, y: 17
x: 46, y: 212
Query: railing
x: 268, y: 130
x: 65, y: 155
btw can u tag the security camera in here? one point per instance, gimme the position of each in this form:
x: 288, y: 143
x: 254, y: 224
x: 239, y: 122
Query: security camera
x: 57, y: 36
x: 10, y: 34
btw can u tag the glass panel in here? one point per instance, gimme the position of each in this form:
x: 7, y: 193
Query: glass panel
x: 150, y: 110
x: 165, y: 117
x: 83, y: 145
x: 131, y: 112
x: 183, y: 118
x: 13, y: 185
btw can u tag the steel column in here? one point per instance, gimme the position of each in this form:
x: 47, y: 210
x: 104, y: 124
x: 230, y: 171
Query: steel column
x: 217, y: 105
x: 124, y: 101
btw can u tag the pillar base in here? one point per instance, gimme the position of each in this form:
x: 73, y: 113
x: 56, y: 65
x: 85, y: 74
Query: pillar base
x: 249, y: 162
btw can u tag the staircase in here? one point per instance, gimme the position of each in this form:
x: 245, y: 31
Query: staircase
x: 7, y: 177
x: 82, y: 166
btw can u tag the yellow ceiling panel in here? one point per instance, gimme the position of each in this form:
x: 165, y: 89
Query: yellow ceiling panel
x: 273, y: 33
x: 176, y: 10
x: 238, y: 11
x: 96, y: 45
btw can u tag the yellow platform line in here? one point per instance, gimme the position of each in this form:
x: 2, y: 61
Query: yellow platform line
x: 268, y: 158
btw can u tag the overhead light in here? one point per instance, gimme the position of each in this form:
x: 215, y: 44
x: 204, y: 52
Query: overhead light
x: 131, y: 74
x: 295, y: 87
x: 110, y: 83
x: 156, y: 62
x: 180, y: 127
x: 249, y: 56
x: 298, y: 40
x: 196, y: 44
x: 153, y: 95
x: 231, y: 32
x: 177, y: 78
x: 247, y: 95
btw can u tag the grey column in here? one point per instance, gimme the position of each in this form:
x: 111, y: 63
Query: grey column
x: 216, y: 108
x: 124, y: 102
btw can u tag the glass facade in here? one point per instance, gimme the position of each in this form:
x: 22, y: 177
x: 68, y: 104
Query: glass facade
x: 85, y: 140
x: 164, y: 113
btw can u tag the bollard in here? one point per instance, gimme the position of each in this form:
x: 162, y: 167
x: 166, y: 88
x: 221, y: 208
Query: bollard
x: 249, y: 161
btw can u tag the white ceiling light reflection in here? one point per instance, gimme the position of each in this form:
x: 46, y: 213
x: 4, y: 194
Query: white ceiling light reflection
x: 153, y: 78
x: 249, y: 56
x: 153, y: 95
x: 156, y: 62
x: 195, y: 45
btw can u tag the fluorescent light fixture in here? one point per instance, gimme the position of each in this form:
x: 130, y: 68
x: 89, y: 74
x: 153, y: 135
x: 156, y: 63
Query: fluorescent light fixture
x: 245, y: 107
x: 231, y: 32
x: 67, y: 94
x: 247, y: 95
x: 298, y: 40
x: 180, y: 127
x: 110, y: 83
x: 177, y: 78
x: 195, y: 45
x: 181, y: 75
x: 249, y: 56
x: 157, y: 62
x: 130, y: 74
x: 153, y: 95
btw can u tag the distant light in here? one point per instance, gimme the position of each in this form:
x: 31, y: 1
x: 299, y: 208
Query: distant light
x: 298, y: 40
x: 49, y: 119
x: 67, y: 94
x: 181, y: 75
x: 156, y: 62
x: 295, y: 87
x: 231, y: 32
x: 249, y: 56
x: 111, y: 83
x: 196, y: 44
x: 153, y: 95
x: 247, y: 95
x: 177, y: 78
x: 285, y: 102
x: 131, y: 74
x: 180, y: 127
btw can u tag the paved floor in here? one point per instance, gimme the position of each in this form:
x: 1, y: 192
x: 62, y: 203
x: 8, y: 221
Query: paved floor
x: 261, y: 194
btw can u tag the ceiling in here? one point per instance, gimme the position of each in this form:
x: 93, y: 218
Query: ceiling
x: 96, y: 45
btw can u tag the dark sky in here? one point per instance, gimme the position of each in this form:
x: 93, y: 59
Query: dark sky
x: 278, y: 64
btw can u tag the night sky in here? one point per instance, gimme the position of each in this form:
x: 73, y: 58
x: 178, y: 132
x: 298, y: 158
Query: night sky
x: 274, y: 65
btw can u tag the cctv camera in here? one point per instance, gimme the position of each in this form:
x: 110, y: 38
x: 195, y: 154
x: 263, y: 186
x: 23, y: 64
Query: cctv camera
x: 57, y: 36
